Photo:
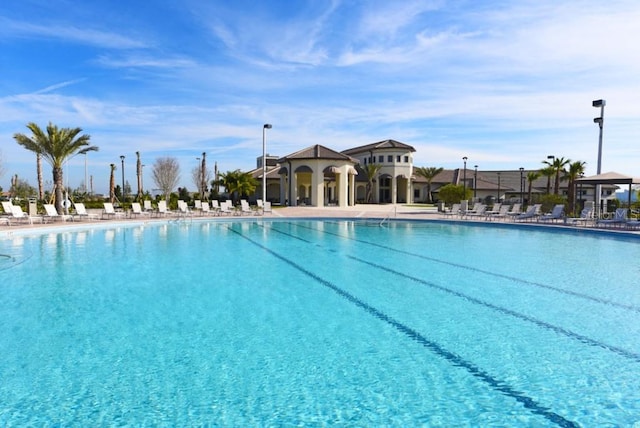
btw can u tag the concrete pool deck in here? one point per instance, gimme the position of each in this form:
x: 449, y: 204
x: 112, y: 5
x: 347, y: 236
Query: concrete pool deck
x: 364, y: 211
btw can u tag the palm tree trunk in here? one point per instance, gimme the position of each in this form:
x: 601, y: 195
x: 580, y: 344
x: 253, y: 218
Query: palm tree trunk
x: 57, y: 181
x: 40, y: 181
x: 112, y: 184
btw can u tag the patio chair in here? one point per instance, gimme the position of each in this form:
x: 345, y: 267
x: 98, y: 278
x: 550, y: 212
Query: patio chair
x: 52, y: 214
x: 226, y: 208
x: 183, y: 209
x: 586, y: 215
x: 532, y: 212
x: 619, y: 218
x: 479, y: 210
x: 515, y: 210
x: 21, y: 216
x: 266, y: 208
x: 81, y: 212
x: 110, y: 212
x: 502, y: 213
x: 136, y: 210
x: 205, y: 209
x: 245, y: 208
x: 495, y: 209
x: 162, y: 209
x: 455, y: 210
x: 148, y: 207
x: 556, y: 214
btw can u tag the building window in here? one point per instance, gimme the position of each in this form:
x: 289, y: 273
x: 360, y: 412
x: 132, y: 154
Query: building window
x: 406, y: 159
x: 416, y: 194
x: 365, y: 161
x: 398, y: 158
x: 380, y: 159
x: 390, y: 158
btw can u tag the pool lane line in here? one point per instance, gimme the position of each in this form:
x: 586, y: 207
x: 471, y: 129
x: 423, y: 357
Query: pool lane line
x: 505, y: 311
x: 456, y: 360
x: 485, y: 272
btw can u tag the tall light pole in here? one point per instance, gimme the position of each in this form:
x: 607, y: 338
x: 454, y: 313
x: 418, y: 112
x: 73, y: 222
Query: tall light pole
x: 123, y: 194
x: 600, y: 122
x: 464, y: 177
x: 475, y: 182
x: 264, y: 161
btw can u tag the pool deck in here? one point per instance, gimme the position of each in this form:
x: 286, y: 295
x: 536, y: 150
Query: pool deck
x: 381, y: 212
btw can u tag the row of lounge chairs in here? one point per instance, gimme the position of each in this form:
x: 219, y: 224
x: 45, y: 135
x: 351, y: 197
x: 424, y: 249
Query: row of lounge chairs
x: 533, y: 213
x: 14, y: 213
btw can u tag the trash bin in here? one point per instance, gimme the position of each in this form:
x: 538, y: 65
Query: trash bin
x: 33, y: 207
x: 441, y: 207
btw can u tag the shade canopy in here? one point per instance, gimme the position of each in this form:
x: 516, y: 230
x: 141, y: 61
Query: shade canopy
x: 609, y: 178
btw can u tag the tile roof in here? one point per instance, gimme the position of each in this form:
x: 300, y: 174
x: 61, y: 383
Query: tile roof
x: 386, y: 144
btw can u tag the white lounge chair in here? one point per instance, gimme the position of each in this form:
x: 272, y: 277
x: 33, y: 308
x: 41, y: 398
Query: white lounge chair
x: 136, y: 210
x: 183, y: 209
x: 502, y: 213
x: 266, y: 208
x: 162, y: 209
x: 453, y: 211
x: 226, y: 208
x: 479, y: 210
x: 215, y: 207
x: 81, y: 212
x: 110, y: 212
x: 204, y: 206
x: 148, y: 207
x: 245, y: 208
x: 619, y: 218
x: 532, y: 212
x: 556, y: 214
x: 586, y: 215
x: 21, y: 216
x: 52, y: 214
x: 515, y: 210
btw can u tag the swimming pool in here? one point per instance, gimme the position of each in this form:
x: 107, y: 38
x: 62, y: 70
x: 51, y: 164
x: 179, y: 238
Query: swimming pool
x: 281, y: 323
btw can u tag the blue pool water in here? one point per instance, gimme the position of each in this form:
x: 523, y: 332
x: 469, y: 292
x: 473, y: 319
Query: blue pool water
x: 312, y: 323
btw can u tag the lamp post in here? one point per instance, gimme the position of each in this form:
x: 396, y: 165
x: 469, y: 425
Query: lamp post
x: 522, y: 186
x: 123, y: 193
x: 600, y: 122
x: 264, y: 161
x: 498, y: 187
x: 464, y: 178
x: 475, y: 182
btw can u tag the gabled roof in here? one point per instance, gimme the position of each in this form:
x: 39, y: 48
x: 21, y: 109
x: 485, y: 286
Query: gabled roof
x: 317, y: 152
x: 386, y: 144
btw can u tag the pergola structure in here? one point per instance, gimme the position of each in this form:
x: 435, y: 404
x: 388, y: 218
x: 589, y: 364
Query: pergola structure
x: 610, y: 178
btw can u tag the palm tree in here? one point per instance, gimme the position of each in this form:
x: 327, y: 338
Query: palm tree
x: 576, y: 169
x: 548, y: 172
x: 531, y: 177
x: 558, y: 166
x: 428, y: 173
x: 112, y: 184
x: 56, y: 146
x: 370, y: 171
x: 238, y: 183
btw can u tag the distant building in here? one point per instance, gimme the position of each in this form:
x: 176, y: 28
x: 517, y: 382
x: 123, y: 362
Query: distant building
x: 320, y: 176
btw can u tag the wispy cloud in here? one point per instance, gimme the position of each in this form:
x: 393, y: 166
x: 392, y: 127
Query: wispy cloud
x: 68, y: 33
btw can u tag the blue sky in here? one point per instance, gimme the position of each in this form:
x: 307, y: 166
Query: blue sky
x: 505, y: 83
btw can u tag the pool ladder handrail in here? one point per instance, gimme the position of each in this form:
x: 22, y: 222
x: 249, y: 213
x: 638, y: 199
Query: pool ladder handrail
x: 394, y: 211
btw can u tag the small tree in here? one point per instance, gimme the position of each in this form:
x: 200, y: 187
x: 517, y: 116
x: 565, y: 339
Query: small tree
x: 453, y: 193
x: 166, y: 173
x: 238, y: 183
x: 370, y: 172
x: 531, y: 177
